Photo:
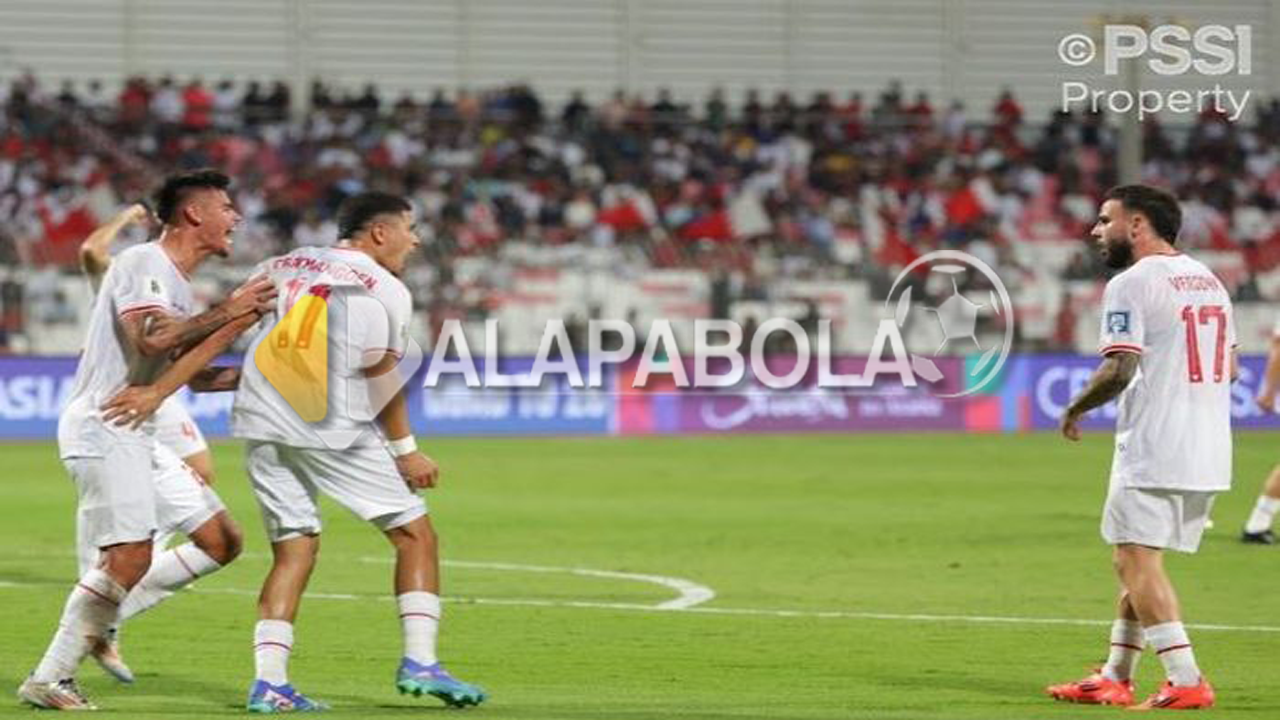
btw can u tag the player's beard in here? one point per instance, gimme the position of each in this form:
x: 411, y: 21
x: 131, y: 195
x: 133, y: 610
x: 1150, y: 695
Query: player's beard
x: 1117, y: 253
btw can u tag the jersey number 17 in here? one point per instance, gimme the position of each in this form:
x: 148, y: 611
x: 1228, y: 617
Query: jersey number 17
x: 1192, y: 319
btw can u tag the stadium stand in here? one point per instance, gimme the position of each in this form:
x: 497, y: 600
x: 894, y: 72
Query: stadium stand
x: 634, y: 207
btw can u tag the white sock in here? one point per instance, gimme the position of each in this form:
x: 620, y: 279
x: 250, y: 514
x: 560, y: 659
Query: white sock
x: 1126, y: 650
x: 91, y: 608
x: 272, y: 643
x: 1173, y: 647
x: 420, y: 621
x: 1263, y: 513
x: 170, y: 571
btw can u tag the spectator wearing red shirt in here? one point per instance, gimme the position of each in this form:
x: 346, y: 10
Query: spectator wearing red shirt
x: 197, y: 107
x: 1007, y: 111
x: 135, y: 101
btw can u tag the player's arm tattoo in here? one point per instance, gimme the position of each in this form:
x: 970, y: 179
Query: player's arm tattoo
x: 154, y: 333
x: 215, y: 379
x: 136, y: 403
x: 1106, y: 384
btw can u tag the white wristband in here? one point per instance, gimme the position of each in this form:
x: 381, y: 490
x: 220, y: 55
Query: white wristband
x: 403, y: 446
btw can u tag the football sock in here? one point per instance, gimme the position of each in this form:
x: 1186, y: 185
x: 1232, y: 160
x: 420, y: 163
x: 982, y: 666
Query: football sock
x: 420, y: 621
x: 1126, y: 650
x: 1263, y: 513
x: 170, y: 571
x: 272, y: 643
x: 91, y: 608
x: 1173, y: 647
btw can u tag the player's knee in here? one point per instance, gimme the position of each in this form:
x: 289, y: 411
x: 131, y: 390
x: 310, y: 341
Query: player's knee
x: 126, y: 564
x: 1134, y: 564
x: 232, y: 542
x: 222, y: 540
x: 416, y: 534
x: 296, y: 553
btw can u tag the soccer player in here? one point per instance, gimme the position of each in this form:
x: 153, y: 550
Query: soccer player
x: 142, y: 315
x: 1168, y: 347
x: 355, y: 287
x: 175, y: 428
x: 176, y: 432
x: 1257, y: 529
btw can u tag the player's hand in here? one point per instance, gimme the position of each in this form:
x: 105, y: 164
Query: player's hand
x: 137, y: 214
x: 1267, y: 399
x: 256, y: 295
x: 1070, y: 426
x: 418, y: 470
x: 131, y: 406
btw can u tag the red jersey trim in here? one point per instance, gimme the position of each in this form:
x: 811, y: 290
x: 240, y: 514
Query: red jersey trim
x: 142, y: 307
x: 1121, y: 347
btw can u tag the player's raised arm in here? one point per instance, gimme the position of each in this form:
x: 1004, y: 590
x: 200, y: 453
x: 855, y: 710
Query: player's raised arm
x: 95, y: 251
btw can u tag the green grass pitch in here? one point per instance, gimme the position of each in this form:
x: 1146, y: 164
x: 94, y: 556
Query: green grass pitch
x: 995, y: 526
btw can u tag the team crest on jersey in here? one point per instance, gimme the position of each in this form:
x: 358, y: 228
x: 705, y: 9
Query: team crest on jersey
x: 1118, y: 321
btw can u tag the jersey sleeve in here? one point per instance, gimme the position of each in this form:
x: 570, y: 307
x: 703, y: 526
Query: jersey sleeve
x: 399, y: 310
x: 138, y: 285
x: 383, y: 323
x: 1123, y: 323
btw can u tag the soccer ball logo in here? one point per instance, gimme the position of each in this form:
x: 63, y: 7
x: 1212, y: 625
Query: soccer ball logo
x: 957, y: 318
x: 957, y: 315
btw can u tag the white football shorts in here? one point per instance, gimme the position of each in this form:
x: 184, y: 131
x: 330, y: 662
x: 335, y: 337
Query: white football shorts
x: 362, y: 479
x: 1166, y: 519
x: 133, y: 493
x: 177, y: 431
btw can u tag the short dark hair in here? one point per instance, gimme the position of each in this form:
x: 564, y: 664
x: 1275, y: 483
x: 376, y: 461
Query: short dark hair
x: 1159, y: 207
x: 177, y: 188
x: 357, y: 211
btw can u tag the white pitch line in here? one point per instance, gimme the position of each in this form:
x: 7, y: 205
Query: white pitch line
x: 764, y: 612
x: 689, y: 593
x: 756, y: 612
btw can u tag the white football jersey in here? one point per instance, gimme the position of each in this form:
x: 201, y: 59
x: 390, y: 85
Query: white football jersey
x: 171, y: 419
x: 141, y: 278
x: 367, y: 311
x: 1174, y: 427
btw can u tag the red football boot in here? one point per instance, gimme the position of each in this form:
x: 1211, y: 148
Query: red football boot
x: 1094, y: 690
x: 1180, y: 697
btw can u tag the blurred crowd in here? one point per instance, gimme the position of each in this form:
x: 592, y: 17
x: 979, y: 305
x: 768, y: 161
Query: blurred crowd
x: 826, y: 186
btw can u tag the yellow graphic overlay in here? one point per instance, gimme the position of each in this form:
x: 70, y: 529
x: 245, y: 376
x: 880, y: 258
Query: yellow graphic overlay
x: 294, y: 357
